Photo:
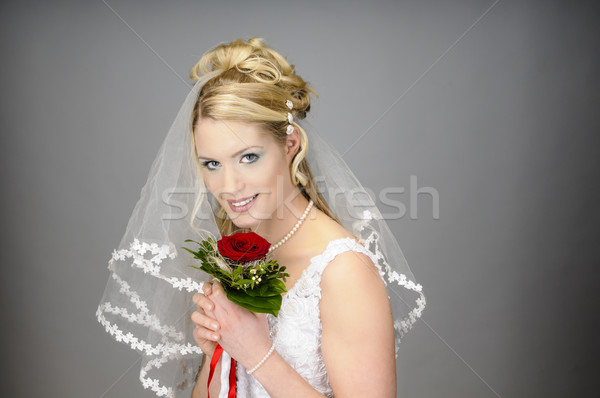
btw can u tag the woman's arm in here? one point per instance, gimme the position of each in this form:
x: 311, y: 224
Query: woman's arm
x: 199, y: 390
x: 357, y: 341
x: 358, y: 333
x: 276, y: 376
x: 245, y: 336
x: 281, y: 380
x: 204, y: 334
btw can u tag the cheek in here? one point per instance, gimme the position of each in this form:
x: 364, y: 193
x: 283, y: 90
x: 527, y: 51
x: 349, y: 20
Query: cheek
x: 209, y: 182
x: 268, y: 174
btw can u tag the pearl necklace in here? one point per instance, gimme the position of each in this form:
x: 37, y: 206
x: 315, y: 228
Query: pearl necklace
x: 285, y: 238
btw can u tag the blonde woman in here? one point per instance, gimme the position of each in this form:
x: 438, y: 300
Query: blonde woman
x: 350, y: 295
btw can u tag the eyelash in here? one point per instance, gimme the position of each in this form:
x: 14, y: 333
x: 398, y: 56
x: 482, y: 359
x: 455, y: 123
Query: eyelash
x: 255, y: 158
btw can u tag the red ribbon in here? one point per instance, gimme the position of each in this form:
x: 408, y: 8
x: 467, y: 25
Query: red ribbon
x: 213, y: 364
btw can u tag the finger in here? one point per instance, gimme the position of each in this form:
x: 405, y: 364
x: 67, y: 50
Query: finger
x: 205, y: 321
x: 203, y: 302
x: 207, y: 288
x: 206, y: 334
x: 217, y: 288
x: 196, y: 298
x: 218, y: 296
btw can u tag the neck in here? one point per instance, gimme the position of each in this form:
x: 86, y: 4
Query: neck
x: 283, y: 219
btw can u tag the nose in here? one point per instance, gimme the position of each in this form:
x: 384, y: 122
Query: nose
x: 232, y: 183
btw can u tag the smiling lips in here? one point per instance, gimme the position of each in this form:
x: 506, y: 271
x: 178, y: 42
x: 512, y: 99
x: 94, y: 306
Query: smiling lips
x: 243, y: 204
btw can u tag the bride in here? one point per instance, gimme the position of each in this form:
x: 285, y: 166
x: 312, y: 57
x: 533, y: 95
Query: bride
x: 252, y: 161
x: 240, y: 157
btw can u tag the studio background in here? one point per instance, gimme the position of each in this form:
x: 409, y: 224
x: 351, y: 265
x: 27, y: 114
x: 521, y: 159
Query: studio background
x: 491, y: 105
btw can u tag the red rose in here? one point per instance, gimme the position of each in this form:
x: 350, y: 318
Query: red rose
x: 243, y: 247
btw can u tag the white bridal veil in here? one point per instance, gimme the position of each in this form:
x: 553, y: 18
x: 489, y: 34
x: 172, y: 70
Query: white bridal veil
x: 147, y: 302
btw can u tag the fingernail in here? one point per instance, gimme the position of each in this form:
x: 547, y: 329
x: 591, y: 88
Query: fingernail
x: 214, y: 325
x: 216, y: 336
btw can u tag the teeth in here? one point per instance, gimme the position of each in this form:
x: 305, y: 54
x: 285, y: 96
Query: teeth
x: 244, y: 202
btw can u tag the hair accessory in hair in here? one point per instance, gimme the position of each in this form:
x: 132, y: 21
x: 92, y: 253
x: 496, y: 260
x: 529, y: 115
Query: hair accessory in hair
x: 290, y: 128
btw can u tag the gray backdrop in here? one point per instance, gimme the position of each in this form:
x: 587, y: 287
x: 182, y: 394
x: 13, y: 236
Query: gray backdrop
x: 488, y: 105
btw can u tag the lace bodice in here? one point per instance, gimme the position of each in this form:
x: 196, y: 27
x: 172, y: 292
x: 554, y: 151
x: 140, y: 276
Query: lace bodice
x: 296, y: 331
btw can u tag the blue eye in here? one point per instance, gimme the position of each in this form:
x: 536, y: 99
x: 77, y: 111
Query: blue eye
x: 251, y: 157
x: 207, y: 164
x: 247, y: 158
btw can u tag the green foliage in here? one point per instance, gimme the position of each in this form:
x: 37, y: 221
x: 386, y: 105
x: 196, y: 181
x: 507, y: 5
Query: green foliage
x: 256, y: 285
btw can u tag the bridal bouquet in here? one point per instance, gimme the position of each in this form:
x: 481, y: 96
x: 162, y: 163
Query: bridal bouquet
x: 250, y: 277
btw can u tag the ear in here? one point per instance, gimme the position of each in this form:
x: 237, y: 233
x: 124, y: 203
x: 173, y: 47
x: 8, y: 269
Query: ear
x: 292, y: 144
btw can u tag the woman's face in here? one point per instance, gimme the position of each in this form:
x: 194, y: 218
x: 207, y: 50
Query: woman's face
x: 245, y: 169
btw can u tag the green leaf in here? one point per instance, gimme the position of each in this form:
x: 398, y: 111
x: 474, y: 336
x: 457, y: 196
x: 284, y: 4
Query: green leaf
x: 277, y: 286
x: 237, y: 272
x: 261, y: 302
x: 264, y: 310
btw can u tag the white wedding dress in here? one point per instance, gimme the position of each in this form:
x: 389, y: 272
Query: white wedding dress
x: 296, y: 331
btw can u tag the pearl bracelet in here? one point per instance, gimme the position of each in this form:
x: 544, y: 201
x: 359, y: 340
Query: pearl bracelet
x: 262, y: 360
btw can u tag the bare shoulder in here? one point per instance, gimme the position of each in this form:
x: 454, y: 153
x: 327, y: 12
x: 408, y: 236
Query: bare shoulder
x: 351, y: 285
x: 357, y: 327
x: 350, y: 266
x: 351, y: 271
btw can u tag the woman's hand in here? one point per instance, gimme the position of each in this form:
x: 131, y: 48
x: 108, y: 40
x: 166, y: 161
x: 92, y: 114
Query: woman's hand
x: 206, y: 332
x: 244, y: 335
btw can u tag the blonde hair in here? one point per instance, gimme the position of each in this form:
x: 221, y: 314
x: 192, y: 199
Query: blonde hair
x: 252, y: 85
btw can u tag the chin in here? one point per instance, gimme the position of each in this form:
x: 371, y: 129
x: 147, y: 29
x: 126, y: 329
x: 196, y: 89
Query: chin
x: 251, y: 218
x: 245, y: 221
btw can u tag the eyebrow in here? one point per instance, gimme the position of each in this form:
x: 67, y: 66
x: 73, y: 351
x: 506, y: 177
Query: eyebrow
x: 237, y: 153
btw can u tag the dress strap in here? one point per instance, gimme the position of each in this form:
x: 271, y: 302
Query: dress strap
x: 334, y: 248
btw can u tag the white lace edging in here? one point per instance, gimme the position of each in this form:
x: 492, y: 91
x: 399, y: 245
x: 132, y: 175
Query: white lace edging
x: 171, y: 345
x: 403, y: 325
x: 151, y: 266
